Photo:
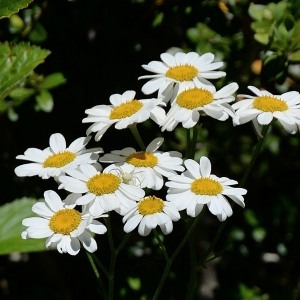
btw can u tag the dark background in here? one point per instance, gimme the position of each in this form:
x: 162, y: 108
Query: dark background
x: 100, y: 46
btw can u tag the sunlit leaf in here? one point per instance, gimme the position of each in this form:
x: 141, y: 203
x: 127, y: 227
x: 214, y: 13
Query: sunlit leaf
x: 8, y: 7
x: 295, y: 56
x: 11, y: 216
x: 16, y: 62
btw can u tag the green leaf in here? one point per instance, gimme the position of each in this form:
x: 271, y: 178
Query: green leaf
x: 21, y: 93
x: 274, y: 68
x: 12, y: 115
x: 11, y: 216
x: 261, y: 26
x: 53, y: 80
x: 16, y: 62
x: 256, y: 11
x: 44, y: 101
x: 262, y: 38
x: 294, y: 57
x: 8, y: 7
x: 38, y: 34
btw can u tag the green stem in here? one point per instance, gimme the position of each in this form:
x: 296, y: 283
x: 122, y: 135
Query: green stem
x: 191, y: 140
x: 113, y: 259
x: 161, y: 244
x: 99, y: 264
x: 256, y: 152
x: 188, y: 142
x: 174, y: 255
x: 137, y: 136
x: 193, y: 266
x: 243, y: 181
x: 91, y: 258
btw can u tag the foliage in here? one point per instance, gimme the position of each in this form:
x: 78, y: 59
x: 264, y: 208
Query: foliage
x: 11, y: 216
x: 257, y: 255
x: 8, y: 7
x: 276, y: 26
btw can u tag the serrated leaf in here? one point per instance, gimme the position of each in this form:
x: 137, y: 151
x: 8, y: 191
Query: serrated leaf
x: 8, y: 7
x: 16, y: 62
x: 11, y: 216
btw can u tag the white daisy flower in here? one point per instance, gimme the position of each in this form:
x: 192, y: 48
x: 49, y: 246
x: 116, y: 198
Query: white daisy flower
x: 264, y: 107
x: 150, y: 212
x: 194, y: 100
x: 148, y: 166
x: 177, y: 69
x: 58, y: 158
x: 63, y: 226
x: 123, y: 111
x: 102, y: 191
x: 197, y: 186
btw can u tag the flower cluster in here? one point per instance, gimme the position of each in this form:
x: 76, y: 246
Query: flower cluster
x: 127, y: 181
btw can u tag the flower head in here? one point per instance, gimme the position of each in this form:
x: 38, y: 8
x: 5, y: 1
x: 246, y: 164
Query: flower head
x: 64, y: 226
x: 56, y: 159
x: 197, y: 186
x: 194, y: 100
x: 264, y: 107
x: 150, y: 212
x: 102, y: 191
x: 123, y: 111
x: 178, y: 69
x: 148, y: 166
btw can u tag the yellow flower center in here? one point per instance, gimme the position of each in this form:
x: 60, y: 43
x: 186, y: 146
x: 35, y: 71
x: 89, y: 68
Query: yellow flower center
x: 182, y: 73
x: 58, y: 160
x: 269, y: 104
x: 65, y: 221
x: 206, y: 186
x: 194, y: 98
x: 101, y: 184
x: 150, y: 205
x: 142, y: 159
x: 126, y: 109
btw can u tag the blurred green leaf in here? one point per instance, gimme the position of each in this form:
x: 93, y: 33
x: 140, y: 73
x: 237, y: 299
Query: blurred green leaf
x: 158, y: 19
x: 16, y: 23
x: 44, y: 101
x: 257, y: 11
x: 289, y: 22
x: 21, y: 93
x: 259, y: 234
x: 253, y: 293
x: 12, y: 115
x: 8, y: 7
x: 134, y: 283
x: 251, y: 218
x: 11, y: 216
x: 38, y: 34
x: 294, y: 57
x: 53, y: 80
x: 261, y: 26
x: 274, y: 68
x: 262, y: 38
x: 16, y: 62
